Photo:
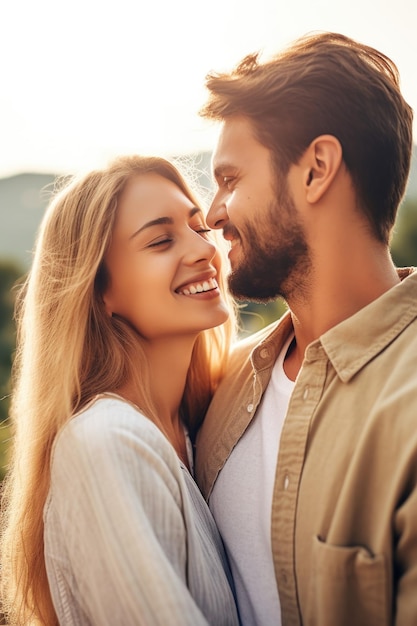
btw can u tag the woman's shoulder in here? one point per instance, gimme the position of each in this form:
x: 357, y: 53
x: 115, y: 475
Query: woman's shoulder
x: 111, y: 424
x: 107, y: 415
x: 110, y: 459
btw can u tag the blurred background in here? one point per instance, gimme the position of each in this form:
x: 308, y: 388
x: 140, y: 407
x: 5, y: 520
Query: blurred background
x: 84, y: 81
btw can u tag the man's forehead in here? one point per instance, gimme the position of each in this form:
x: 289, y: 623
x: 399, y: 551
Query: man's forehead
x: 236, y: 145
x: 228, y: 143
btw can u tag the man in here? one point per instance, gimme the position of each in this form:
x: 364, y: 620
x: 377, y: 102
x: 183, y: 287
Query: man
x: 308, y: 454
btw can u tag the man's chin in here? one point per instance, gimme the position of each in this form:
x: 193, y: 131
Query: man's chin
x: 246, y: 291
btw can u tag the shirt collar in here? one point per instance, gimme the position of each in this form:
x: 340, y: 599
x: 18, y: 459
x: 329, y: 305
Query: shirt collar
x: 354, y: 342
x: 266, y: 352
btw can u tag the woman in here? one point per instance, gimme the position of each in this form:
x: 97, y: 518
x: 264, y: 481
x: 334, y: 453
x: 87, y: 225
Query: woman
x: 114, y: 370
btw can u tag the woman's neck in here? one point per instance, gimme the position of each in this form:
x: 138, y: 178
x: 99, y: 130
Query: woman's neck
x: 168, y: 363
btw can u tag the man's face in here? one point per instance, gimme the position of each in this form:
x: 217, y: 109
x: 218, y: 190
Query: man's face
x: 258, y: 216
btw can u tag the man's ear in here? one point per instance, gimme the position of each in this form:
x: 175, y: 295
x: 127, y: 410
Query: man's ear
x: 323, y: 159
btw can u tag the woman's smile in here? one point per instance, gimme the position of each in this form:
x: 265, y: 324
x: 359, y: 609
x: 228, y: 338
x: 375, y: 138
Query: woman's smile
x: 194, y: 288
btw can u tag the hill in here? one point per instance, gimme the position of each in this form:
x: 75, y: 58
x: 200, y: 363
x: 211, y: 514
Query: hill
x: 24, y: 197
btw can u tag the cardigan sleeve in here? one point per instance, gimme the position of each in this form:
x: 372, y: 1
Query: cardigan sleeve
x: 114, y: 526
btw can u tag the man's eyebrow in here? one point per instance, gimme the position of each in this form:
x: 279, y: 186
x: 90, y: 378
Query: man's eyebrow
x: 162, y: 220
x: 221, y: 168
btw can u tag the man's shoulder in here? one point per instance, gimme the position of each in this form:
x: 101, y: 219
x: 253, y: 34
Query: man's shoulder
x: 273, y: 334
x: 245, y: 345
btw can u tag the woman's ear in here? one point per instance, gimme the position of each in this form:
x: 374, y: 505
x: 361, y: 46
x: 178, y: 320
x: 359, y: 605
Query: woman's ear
x: 107, y: 303
x: 324, y: 157
x: 103, y: 289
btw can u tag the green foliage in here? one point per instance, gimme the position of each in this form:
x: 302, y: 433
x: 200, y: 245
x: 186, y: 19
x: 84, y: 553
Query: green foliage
x: 404, y: 242
x: 9, y: 275
x: 254, y: 317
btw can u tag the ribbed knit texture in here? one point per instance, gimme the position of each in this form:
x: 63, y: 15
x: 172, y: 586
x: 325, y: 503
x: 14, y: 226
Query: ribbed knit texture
x: 128, y: 537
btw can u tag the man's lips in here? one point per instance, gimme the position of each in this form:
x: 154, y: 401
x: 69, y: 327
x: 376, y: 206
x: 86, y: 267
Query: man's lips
x: 230, y: 232
x: 231, y: 235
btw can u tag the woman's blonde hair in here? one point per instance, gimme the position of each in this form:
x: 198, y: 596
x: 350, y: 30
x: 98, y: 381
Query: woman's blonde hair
x: 68, y: 350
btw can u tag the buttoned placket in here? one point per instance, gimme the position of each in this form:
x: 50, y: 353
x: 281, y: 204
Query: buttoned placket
x: 293, y: 446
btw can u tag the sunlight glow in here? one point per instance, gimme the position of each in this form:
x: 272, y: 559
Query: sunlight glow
x: 84, y: 81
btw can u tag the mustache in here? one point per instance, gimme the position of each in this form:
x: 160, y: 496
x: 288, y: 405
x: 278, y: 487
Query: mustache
x: 230, y: 231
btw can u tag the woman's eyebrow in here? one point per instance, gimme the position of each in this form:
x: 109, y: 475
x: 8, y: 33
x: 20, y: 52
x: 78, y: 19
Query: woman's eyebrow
x: 163, y: 220
x: 155, y: 222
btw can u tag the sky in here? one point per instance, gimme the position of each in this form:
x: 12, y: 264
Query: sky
x: 85, y: 80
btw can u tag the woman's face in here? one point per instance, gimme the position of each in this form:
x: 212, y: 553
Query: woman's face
x: 162, y: 267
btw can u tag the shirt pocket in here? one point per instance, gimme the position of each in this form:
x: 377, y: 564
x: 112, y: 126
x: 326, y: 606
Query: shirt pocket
x: 348, y: 586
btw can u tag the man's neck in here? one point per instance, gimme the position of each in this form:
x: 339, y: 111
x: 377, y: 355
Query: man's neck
x: 336, y: 293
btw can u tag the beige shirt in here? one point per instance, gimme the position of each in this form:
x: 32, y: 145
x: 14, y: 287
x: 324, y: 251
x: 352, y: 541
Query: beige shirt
x: 344, y: 512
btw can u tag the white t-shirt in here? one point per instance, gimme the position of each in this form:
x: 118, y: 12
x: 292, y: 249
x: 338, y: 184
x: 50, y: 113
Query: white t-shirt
x: 241, y: 503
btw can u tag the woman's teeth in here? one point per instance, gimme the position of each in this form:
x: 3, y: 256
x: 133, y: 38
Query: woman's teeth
x: 191, y: 289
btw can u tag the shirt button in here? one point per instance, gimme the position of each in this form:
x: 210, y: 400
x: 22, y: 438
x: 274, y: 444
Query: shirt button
x: 286, y: 481
x: 305, y: 394
x: 264, y: 353
x: 249, y: 408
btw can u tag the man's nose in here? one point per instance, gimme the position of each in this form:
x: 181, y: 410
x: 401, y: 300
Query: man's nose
x: 217, y: 215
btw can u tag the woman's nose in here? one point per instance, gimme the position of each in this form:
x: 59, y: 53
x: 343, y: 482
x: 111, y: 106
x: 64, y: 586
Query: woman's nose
x: 200, y: 249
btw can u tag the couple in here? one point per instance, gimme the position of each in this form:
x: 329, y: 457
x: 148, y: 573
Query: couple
x: 307, y: 453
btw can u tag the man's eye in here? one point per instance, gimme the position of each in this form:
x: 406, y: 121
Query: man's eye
x: 227, y: 180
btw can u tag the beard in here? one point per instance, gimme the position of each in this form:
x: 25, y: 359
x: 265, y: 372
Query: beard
x: 276, y: 256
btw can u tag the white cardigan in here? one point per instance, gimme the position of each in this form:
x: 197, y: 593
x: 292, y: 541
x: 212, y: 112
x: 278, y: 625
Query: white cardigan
x: 129, y: 539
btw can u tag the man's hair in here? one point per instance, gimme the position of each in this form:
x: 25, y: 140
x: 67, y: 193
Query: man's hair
x: 322, y: 84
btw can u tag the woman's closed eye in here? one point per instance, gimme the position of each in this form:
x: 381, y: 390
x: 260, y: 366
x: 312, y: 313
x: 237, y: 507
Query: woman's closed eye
x: 203, y: 231
x: 164, y: 241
